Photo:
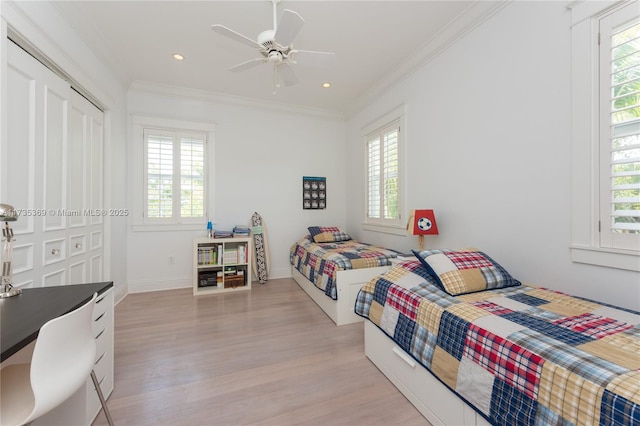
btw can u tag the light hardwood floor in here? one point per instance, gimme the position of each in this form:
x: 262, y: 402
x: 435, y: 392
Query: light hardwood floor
x: 268, y: 356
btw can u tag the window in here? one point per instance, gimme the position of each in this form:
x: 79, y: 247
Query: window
x: 384, y: 173
x: 606, y: 134
x: 172, y: 171
x: 620, y: 129
x: 174, y: 175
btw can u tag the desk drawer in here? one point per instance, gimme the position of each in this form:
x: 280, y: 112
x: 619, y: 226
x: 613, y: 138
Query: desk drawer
x: 102, y: 365
x: 104, y: 302
x: 101, y: 323
x: 103, y: 339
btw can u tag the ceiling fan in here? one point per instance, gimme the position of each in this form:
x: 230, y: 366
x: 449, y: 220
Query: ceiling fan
x: 275, y: 47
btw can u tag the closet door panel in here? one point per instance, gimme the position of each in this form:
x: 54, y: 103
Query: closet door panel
x: 56, y: 98
x: 97, y: 263
x: 78, y: 273
x: 96, y: 240
x: 92, y: 189
x: 55, y: 278
x: 97, y: 160
x: 77, y: 245
x: 77, y: 167
x: 20, y: 163
x: 22, y: 259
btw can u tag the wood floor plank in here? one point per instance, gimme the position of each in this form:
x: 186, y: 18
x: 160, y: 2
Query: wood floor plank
x: 268, y: 356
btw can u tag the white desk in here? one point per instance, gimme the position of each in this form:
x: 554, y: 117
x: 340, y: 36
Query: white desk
x: 20, y: 320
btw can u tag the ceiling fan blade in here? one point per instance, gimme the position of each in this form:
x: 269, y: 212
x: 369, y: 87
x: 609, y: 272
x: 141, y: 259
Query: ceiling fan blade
x: 290, y: 25
x: 287, y: 76
x: 221, y: 29
x: 312, y: 58
x: 247, y: 65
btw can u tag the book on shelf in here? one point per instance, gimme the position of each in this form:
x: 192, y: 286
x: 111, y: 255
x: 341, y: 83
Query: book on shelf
x: 230, y: 255
x: 242, y: 253
x: 207, y: 255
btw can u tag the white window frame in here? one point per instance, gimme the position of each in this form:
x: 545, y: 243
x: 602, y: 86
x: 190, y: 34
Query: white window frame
x: 140, y: 222
x: 390, y: 226
x: 587, y: 246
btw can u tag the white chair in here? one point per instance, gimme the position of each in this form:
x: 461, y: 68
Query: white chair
x: 62, y: 360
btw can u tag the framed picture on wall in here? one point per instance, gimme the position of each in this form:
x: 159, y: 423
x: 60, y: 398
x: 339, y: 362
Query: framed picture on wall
x: 314, y: 193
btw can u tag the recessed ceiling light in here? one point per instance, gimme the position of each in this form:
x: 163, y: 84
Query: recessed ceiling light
x: 178, y: 57
x: 326, y: 85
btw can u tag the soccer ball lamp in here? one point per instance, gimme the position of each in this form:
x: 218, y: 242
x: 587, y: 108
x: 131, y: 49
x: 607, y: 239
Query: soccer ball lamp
x: 7, y: 214
x: 421, y: 223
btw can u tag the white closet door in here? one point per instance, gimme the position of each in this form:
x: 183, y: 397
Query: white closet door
x: 21, y: 163
x: 85, y: 186
x: 53, y: 138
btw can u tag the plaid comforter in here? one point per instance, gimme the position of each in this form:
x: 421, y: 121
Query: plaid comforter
x: 319, y: 262
x: 519, y: 355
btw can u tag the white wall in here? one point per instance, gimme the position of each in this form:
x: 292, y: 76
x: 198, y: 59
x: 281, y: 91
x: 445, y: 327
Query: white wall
x: 488, y: 147
x: 261, y: 154
x: 44, y: 28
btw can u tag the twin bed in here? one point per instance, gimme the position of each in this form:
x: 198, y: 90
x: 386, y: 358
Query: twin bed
x: 502, y: 353
x: 468, y: 344
x: 331, y: 268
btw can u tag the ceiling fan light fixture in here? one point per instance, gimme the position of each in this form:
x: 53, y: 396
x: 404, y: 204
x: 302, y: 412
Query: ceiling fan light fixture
x: 274, y: 57
x: 275, y: 46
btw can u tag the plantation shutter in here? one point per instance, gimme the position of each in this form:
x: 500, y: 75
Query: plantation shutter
x: 383, y: 172
x: 159, y: 180
x: 174, y: 175
x: 192, y: 177
x: 620, y: 129
x: 390, y: 183
x: 374, y: 178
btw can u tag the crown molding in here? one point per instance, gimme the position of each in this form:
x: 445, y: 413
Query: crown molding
x: 222, y: 98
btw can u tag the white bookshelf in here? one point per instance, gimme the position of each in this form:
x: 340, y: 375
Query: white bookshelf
x: 221, y: 265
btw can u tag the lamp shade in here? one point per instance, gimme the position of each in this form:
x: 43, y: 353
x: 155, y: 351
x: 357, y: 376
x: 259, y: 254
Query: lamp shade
x: 8, y: 213
x: 423, y: 222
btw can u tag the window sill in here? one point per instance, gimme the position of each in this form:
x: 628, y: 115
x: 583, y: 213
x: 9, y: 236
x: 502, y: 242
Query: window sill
x: 618, y: 259
x: 172, y: 227
x: 386, y: 229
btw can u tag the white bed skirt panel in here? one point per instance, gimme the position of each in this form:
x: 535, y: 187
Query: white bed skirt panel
x: 348, y: 284
x: 433, y: 399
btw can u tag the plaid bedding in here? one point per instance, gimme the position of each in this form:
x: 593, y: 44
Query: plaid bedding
x: 319, y: 262
x: 519, y: 355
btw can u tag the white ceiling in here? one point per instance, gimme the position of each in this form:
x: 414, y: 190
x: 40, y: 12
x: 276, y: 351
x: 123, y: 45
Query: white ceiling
x: 375, y: 42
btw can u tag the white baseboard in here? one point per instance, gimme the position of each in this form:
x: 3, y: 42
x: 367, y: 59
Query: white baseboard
x: 143, y: 286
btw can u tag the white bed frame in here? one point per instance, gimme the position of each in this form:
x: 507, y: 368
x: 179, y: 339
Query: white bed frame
x: 433, y: 399
x: 348, y: 284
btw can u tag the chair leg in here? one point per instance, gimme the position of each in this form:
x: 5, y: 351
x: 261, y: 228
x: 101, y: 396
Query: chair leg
x: 101, y: 397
